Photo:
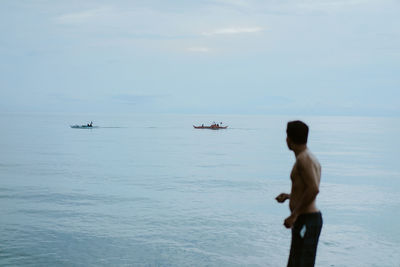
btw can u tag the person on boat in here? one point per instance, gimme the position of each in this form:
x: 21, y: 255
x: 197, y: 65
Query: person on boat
x: 305, y: 219
x: 217, y: 125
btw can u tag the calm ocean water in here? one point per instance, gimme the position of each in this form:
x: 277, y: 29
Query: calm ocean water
x: 149, y: 190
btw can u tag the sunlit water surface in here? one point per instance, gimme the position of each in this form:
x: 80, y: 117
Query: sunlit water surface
x: 149, y: 190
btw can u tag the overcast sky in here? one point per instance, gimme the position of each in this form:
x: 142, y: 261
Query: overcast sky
x: 319, y: 57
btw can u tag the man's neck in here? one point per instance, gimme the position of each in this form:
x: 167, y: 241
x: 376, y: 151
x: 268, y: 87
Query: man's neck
x: 298, y: 149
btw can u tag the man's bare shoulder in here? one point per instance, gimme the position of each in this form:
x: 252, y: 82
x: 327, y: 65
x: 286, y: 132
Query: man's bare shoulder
x: 306, y: 159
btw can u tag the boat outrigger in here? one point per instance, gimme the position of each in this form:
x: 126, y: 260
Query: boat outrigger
x: 213, y: 126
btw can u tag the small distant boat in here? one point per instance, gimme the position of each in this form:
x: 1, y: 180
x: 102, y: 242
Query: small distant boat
x: 212, y: 127
x: 87, y: 126
x: 83, y: 126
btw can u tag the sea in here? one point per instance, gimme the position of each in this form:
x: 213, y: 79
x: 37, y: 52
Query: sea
x: 150, y: 190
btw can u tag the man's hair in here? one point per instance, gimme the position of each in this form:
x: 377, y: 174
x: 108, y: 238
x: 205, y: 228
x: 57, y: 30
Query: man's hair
x: 297, y: 131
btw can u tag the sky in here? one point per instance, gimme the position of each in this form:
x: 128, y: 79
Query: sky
x: 312, y: 57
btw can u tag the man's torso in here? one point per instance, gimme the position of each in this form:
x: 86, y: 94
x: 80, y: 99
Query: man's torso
x: 298, y: 186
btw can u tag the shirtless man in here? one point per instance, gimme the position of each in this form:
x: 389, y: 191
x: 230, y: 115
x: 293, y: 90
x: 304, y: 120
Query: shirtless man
x: 305, y: 219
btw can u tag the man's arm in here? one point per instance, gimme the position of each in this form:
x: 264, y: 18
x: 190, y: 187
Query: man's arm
x: 282, y: 197
x: 310, y: 192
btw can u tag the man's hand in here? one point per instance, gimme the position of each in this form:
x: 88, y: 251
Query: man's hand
x: 282, y: 197
x: 289, y: 221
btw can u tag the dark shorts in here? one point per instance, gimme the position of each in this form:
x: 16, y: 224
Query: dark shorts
x: 305, y: 235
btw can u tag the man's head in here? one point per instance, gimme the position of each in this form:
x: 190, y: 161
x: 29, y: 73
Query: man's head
x: 297, y: 133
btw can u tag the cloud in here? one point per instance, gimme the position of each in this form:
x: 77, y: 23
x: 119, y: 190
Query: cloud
x: 234, y: 30
x: 199, y: 49
x: 83, y: 16
x: 238, y: 3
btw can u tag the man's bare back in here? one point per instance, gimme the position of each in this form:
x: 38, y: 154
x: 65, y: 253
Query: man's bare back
x: 306, y: 173
x: 306, y: 177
